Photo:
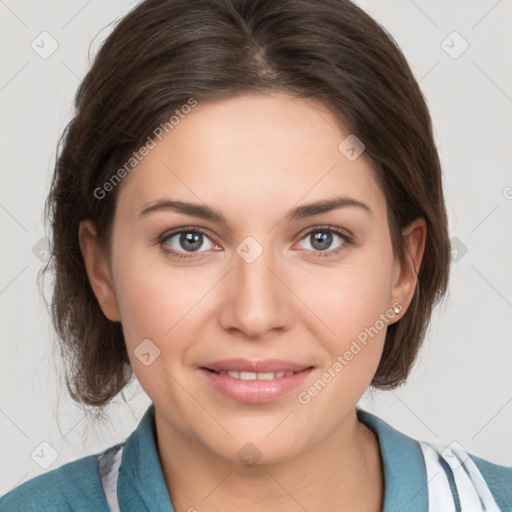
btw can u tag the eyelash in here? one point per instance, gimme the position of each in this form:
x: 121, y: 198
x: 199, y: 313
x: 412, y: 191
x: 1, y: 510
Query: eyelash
x: 347, y: 241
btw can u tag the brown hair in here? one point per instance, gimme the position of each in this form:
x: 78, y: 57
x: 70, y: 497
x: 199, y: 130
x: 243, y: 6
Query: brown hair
x: 165, y: 52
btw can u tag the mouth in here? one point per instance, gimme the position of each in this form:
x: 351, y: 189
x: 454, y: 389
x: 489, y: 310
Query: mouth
x: 241, y: 375
x: 255, y: 382
x: 258, y: 367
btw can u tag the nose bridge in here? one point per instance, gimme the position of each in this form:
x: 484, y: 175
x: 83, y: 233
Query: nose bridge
x: 251, y: 267
x: 256, y: 300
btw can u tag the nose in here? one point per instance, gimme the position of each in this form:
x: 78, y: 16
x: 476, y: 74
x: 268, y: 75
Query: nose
x: 256, y: 299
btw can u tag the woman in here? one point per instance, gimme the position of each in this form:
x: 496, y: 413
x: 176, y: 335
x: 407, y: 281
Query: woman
x: 248, y: 217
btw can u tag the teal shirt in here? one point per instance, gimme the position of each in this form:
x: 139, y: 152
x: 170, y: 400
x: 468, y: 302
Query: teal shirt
x: 76, y: 486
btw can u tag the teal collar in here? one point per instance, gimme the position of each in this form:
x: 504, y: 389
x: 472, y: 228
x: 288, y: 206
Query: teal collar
x: 405, y: 476
x: 141, y: 484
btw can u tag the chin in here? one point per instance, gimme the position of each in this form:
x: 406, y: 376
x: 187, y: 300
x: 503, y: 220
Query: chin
x: 258, y: 449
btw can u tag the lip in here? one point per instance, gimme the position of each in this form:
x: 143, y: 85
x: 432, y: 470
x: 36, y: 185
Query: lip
x: 255, y: 391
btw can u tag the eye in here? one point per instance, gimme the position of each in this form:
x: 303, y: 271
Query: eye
x: 321, y: 239
x: 185, y: 242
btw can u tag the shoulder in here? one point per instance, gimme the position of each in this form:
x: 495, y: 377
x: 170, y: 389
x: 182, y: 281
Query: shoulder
x: 452, y: 470
x: 75, y: 486
x: 494, y: 474
x: 498, y: 478
x: 429, y: 476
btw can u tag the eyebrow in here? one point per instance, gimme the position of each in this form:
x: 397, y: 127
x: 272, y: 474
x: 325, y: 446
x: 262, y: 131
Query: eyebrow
x: 207, y: 213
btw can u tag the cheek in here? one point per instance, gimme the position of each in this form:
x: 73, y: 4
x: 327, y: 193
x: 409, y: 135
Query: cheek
x: 357, y: 311
x: 144, y: 311
x: 350, y: 297
x: 155, y: 308
x: 353, y: 303
x: 151, y: 300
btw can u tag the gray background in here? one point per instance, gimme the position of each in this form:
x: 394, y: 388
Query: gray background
x: 460, y: 389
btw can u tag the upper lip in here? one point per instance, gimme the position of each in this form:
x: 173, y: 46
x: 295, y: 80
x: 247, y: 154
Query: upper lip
x: 246, y: 365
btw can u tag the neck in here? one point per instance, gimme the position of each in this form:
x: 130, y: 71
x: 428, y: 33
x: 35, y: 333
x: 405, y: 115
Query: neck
x: 343, y: 472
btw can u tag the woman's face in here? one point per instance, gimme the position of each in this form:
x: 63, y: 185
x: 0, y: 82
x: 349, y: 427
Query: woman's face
x: 276, y: 282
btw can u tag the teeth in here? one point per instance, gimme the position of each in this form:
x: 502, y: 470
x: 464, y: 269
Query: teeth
x: 266, y: 376
x: 256, y: 376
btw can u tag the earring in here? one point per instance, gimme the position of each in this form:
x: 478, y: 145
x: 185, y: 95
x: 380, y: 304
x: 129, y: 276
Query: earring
x: 397, y: 309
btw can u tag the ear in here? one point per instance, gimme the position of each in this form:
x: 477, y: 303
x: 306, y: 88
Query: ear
x: 405, y: 278
x: 98, y: 271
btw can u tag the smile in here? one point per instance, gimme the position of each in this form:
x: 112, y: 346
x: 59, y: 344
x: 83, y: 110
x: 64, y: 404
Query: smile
x: 254, y: 382
x: 255, y: 376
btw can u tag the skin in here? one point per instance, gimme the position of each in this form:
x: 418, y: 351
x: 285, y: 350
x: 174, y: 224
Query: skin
x: 253, y: 158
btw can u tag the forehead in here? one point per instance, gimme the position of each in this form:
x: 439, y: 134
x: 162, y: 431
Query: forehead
x: 252, y: 155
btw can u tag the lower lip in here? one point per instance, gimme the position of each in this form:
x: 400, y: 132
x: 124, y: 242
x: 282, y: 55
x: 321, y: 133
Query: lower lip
x: 255, y: 391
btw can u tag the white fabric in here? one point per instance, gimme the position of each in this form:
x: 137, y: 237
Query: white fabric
x: 109, y: 462
x: 474, y: 494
